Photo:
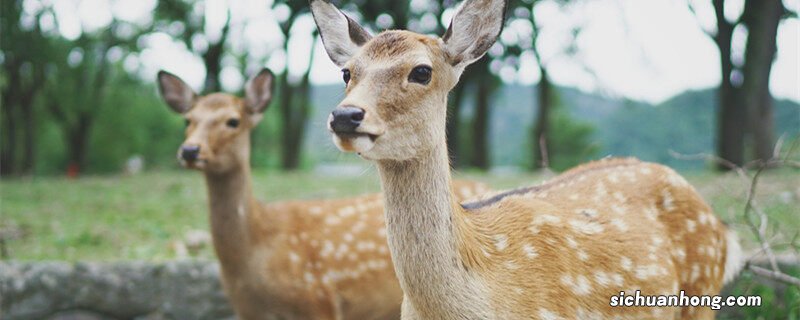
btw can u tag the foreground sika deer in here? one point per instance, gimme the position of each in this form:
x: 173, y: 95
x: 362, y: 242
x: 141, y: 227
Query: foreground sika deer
x: 555, y: 251
x: 289, y: 260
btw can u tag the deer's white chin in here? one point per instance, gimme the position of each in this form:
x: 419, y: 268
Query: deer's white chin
x: 359, y: 143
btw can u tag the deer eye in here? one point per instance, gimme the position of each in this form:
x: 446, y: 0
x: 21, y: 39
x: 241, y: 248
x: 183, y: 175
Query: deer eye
x: 188, y: 122
x: 346, y: 76
x: 232, y: 123
x: 420, y: 74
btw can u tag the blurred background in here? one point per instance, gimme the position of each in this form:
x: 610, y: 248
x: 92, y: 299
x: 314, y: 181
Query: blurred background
x: 87, y: 147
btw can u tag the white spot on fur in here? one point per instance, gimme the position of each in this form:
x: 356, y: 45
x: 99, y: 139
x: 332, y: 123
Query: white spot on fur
x: 657, y: 241
x: 667, y: 201
x: 573, y: 197
x: 332, y: 220
x: 626, y: 264
x: 621, y: 225
x: 582, y: 314
x: 571, y: 242
x: 383, y: 250
x: 530, y: 251
x: 240, y: 211
x: 580, y: 285
x: 347, y: 211
x: 500, y: 242
x: 651, y: 213
x: 348, y: 237
x: 293, y: 257
x: 582, y: 255
x: 617, y: 278
x: 602, y: 278
x: 695, y: 273
x: 617, y: 209
x: 545, y: 314
x: 586, y: 227
x: 546, y: 219
x: 365, y: 246
x: 691, y: 226
x: 679, y: 254
x: 315, y: 210
x: 644, y: 272
x: 702, y: 218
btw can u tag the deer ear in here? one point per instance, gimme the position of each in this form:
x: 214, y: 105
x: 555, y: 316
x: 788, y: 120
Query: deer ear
x: 341, y: 35
x: 473, y: 30
x: 176, y: 93
x: 258, y: 91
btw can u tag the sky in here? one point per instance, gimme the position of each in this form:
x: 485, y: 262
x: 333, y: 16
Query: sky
x: 643, y: 50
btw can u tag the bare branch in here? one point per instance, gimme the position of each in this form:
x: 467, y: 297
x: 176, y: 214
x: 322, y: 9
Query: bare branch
x: 775, y: 275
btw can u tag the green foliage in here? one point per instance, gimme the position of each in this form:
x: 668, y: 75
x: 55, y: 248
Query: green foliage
x: 570, y: 141
x: 777, y: 301
x: 135, y: 121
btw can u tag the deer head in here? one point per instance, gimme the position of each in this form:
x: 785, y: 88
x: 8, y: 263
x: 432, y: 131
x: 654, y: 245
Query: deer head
x: 397, y: 82
x: 217, y: 125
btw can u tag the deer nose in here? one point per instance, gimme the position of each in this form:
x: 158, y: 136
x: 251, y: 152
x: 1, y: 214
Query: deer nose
x: 190, y: 153
x: 346, y: 119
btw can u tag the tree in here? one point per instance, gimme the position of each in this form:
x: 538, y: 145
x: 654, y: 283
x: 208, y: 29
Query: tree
x: 546, y: 95
x: 743, y: 98
x: 181, y: 11
x: 761, y: 17
x: 25, y: 56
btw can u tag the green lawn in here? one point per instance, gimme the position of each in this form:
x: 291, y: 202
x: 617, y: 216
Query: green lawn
x: 141, y: 217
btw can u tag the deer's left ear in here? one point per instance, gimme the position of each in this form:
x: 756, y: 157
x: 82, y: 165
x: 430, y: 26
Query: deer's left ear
x: 341, y: 35
x: 258, y: 91
x: 473, y: 30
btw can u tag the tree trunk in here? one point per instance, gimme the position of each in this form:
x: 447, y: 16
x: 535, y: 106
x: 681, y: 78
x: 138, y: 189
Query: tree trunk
x: 28, y: 135
x: 9, y: 136
x: 761, y: 18
x: 732, y: 116
x: 454, y: 123
x: 541, y: 130
x: 287, y: 97
x: 78, y: 142
x: 212, y: 59
x: 480, y: 126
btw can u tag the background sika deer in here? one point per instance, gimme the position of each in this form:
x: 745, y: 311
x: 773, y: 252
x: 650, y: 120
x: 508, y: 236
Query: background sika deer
x: 323, y: 259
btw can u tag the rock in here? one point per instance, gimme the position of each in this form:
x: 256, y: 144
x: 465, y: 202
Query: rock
x: 128, y: 290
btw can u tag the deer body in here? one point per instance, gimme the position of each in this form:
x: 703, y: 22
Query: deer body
x: 322, y: 259
x: 560, y: 250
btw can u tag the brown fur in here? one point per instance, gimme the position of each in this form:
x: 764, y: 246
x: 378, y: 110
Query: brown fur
x: 324, y: 259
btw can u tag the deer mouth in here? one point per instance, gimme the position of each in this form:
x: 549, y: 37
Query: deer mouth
x: 355, y: 141
x: 197, y: 164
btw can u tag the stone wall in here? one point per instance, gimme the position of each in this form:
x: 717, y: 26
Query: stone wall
x: 126, y: 290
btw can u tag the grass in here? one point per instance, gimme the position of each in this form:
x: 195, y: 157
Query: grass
x: 141, y: 217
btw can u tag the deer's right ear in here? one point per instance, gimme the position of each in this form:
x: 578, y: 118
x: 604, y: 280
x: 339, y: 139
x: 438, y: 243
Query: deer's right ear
x: 341, y: 35
x: 176, y: 93
x: 473, y: 30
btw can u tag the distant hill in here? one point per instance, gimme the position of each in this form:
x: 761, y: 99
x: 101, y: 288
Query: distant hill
x: 684, y: 123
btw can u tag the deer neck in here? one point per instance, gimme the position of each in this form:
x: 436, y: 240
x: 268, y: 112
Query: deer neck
x: 423, y: 240
x: 231, y: 205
